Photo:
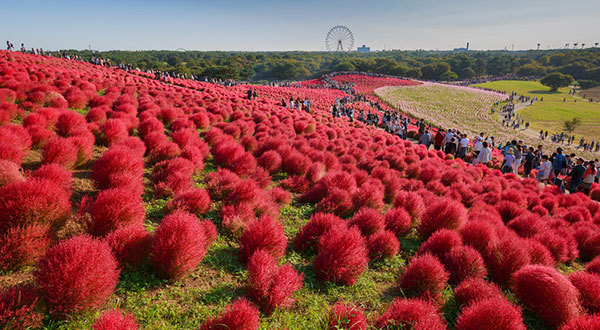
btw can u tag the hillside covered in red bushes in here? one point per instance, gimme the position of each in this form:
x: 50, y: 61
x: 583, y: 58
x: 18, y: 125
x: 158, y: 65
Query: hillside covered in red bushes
x: 130, y: 203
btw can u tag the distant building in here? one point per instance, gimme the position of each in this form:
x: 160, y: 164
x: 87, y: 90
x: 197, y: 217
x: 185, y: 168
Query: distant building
x: 462, y: 49
x: 364, y: 49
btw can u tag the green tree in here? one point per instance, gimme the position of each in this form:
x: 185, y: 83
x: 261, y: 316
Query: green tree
x: 530, y: 69
x: 557, y: 80
x: 570, y: 125
x: 467, y: 73
x: 448, y: 76
x: 414, y: 73
x: 344, y: 66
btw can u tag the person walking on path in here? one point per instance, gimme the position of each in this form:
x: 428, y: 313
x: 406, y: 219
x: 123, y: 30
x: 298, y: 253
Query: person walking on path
x: 559, y: 161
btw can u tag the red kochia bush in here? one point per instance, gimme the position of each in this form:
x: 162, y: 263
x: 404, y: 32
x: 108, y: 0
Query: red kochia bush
x: 413, y: 314
x: 195, y: 200
x: 587, y: 236
x: 240, y: 315
x: 398, y: 221
x: 319, y: 224
x: 22, y: 246
x: 440, y: 243
x: 116, y: 320
x: 593, y: 266
x: 444, y: 213
x: 113, y: 209
x: 60, y: 151
x: 383, y: 244
x: 491, y: 314
x: 346, y: 317
x: 342, y: 256
x: 18, y: 308
x: 479, y: 234
x: 130, y: 244
x: 265, y: 233
x: 369, y: 221
x: 548, y: 293
x: 9, y: 172
x: 505, y: 258
x: 588, y: 322
x: 269, y: 285
x: 116, y: 162
x: 78, y: 274
x: 178, y: 246
x: 57, y: 174
x: 464, y: 262
x: 475, y: 289
x: 270, y: 161
x: 425, y: 277
x: 33, y: 201
x: 588, y: 285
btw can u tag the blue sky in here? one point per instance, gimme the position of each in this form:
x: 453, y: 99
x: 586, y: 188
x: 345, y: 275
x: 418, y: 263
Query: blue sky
x: 298, y: 25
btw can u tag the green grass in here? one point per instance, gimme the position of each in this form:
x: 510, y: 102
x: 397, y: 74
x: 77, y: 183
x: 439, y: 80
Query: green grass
x: 551, y: 113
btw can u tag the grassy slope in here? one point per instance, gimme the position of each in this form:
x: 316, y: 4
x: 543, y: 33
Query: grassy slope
x: 552, y: 112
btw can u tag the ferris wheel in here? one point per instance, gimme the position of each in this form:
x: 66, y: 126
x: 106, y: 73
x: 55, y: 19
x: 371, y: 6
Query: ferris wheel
x: 339, y: 39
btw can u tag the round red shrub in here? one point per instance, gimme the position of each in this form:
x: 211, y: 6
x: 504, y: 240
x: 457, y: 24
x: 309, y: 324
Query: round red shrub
x: 78, y: 274
x: 270, y: 286
x: 588, y: 285
x: 60, y: 151
x: 368, y: 220
x: 383, y: 244
x: 240, y: 315
x: 116, y: 320
x: 70, y: 123
x: 342, y: 256
x: 587, y: 322
x: 527, y: 225
x: 504, y: 258
x: 338, y: 202
x: 318, y: 224
x: 548, y: 293
x: 117, y: 162
x: 346, y: 317
x: 444, y: 213
x: 23, y: 246
x: 464, y: 262
x: 509, y: 210
x: 413, y: 314
x: 57, y: 174
x: 195, y: 200
x: 425, y: 277
x: 270, y: 161
x: 539, y: 253
x: 113, y: 209
x: 593, y: 266
x: 18, y: 308
x: 556, y: 243
x: 130, y: 245
x: 9, y: 172
x: 475, y: 289
x: 440, y: 243
x: 178, y: 245
x: 412, y: 203
x: 479, y: 234
x: 491, y: 314
x: 114, y: 131
x: 35, y: 201
x: 265, y: 233
x: 398, y: 221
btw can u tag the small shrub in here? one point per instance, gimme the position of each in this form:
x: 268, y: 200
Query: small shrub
x: 445, y: 213
x: 491, y: 314
x: 130, y: 245
x: 265, y: 233
x: 78, y: 274
x: 240, y: 315
x: 474, y: 289
x: 18, y: 308
x: 547, y: 292
x: 342, y: 256
x: 425, y: 277
x: 347, y: 317
x: 382, y: 245
x: 413, y: 314
x: 116, y: 320
x: 178, y: 246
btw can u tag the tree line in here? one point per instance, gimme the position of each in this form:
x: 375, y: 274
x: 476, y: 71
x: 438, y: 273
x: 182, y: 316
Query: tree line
x: 582, y: 64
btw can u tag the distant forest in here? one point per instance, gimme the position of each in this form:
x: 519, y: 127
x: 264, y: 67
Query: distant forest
x: 582, y: 64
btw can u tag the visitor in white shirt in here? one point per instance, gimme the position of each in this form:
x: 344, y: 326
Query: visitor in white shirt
x: 544, y: 169
x: 477, y: 146
x: 485, y: 155
x: 509, y: 159
x: 464, y: 144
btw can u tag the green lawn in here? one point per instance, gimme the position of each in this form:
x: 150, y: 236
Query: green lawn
x: 552, y: 112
